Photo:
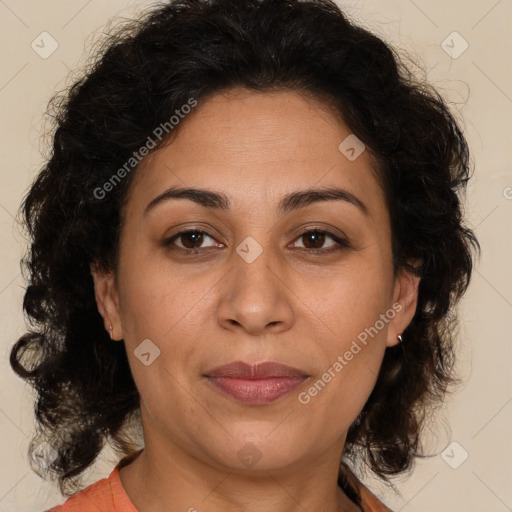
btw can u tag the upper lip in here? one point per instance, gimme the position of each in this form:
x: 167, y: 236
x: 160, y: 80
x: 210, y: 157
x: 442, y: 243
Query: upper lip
x: 265, y: 370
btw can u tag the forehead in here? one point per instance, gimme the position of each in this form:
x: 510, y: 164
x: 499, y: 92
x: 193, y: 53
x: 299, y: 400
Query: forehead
x: 257, y: 147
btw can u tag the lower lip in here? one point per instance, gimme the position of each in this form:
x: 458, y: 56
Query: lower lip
x: 257, y: 391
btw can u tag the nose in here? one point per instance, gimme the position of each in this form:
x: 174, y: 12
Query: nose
x: 256, y: 296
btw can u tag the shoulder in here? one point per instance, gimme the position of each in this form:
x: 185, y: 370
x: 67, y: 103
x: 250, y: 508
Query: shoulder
x: 98, y: 497
x: 358, y: 492
x: 370, y: 502
x: 106, y: 495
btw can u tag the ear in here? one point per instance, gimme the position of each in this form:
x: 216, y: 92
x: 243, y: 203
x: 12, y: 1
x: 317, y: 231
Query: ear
x: 107, y: 300
x: 405, y: 299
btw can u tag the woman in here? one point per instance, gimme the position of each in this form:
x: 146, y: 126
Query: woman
x: 247, y: 246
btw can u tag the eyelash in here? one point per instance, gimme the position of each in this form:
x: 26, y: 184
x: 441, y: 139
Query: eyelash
x: 342, y: 243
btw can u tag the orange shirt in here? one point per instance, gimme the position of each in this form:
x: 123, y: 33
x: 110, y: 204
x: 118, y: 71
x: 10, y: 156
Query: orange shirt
x: 108, y: 495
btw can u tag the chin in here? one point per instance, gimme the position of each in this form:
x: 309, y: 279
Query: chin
x: 259, y: 451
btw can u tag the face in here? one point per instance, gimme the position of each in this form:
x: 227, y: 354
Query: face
x: 268, y: 274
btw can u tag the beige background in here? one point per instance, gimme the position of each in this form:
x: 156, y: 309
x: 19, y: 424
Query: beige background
x: 478, y: 82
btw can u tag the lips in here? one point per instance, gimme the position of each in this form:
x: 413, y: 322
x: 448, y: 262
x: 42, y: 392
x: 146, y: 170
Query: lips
x: 266, y: 370
x: 255, y: 384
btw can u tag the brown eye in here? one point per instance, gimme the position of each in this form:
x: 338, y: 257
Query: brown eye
x: 191, y: 241
x: 312, y: 241
x: 191, y: 238
x: 315, y: 239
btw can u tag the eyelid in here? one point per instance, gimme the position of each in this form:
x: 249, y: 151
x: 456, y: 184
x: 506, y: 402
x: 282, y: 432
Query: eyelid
x: 342, y: 242
x: 169, y: 241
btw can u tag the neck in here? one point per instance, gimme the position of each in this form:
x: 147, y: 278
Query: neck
x: 167, y: 480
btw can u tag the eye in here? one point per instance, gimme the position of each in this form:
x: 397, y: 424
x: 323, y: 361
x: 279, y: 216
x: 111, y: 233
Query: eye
x: 317, y: 238
x: 191, y: 240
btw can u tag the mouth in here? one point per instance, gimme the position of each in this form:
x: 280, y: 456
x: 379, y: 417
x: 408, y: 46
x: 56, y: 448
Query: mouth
x: 256, y: 384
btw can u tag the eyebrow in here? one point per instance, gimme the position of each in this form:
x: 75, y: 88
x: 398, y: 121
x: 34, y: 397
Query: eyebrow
x: 293, y: 201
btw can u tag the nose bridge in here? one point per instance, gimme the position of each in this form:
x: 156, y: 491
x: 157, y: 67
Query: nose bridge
x: 255, y: 296
x: 255, y: 267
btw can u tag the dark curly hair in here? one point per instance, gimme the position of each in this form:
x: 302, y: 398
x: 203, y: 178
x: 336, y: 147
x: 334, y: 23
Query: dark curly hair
x: 145, y: 71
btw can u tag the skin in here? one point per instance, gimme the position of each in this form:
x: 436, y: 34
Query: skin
x: 289, y: 305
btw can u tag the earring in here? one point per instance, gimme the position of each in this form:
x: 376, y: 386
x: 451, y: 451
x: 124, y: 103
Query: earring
x: 399, y: 338
x: 110, y: 328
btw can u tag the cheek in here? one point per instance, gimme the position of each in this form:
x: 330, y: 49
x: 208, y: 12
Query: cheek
x: 355, y: 297
x: 356, y: 309
x: 156, y: 300
x: 351, y: 358
x: 168, y: 308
